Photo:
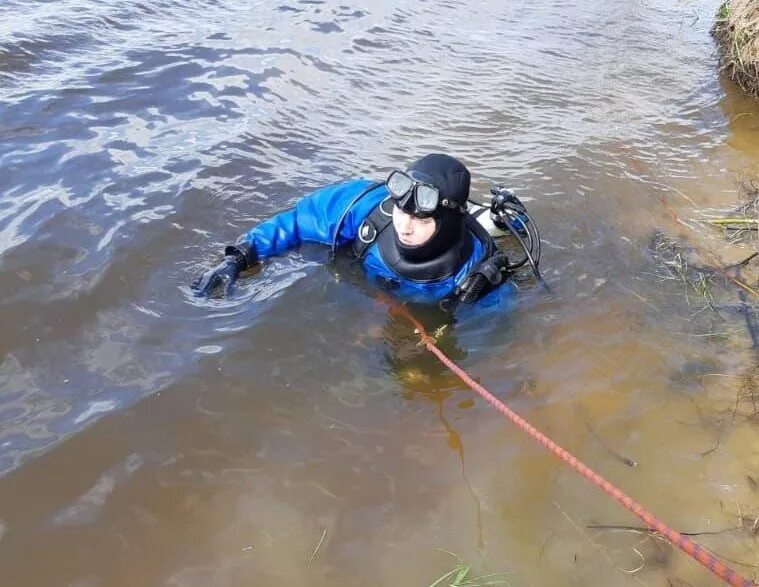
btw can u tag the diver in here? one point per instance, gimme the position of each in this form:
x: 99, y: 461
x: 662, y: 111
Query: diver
x: 416, y: 234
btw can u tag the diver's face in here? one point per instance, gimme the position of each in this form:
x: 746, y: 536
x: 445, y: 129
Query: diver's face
x: 412, y: 231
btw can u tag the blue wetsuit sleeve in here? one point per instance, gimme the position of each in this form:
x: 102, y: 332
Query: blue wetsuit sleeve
x: 314, y: 219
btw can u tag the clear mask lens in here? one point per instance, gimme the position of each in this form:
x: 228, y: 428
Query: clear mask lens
x: 398, y: 184
x: 426, y: 198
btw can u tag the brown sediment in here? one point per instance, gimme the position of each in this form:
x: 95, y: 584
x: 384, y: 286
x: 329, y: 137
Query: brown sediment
x: 736, y: 29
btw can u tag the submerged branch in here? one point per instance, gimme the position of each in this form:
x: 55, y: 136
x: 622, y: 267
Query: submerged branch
x: 622, y: 459
x: 318, y: 546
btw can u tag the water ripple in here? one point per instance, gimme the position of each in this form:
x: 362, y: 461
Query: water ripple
x: 139, y: 138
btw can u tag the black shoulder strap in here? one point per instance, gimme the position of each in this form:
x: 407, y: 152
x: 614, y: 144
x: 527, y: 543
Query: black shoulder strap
x: 339, y: 224
x: 372, y: 226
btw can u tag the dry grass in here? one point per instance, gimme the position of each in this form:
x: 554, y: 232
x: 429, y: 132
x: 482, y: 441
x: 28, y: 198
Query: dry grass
x: 736, y: 29
x: 739, y: 223
x: 462, y: 576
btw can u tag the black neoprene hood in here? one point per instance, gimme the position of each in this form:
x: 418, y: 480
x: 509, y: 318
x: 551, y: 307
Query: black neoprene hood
x: 449, y: 175
x: 451, y: 178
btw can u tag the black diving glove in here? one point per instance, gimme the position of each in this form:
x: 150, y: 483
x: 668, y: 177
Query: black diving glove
x: 237, y: 258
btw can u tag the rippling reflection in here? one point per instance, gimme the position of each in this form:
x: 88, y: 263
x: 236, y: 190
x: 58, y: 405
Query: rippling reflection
x: 149, y: 437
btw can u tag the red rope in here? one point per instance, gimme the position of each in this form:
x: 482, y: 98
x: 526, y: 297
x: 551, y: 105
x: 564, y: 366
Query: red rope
x: 653, y: 523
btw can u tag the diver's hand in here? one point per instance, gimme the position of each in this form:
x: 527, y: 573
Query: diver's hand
x: 225, y: 273
x: 236, y: 259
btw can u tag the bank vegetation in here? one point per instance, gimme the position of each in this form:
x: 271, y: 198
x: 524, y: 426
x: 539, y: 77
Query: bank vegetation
x: 736, y: 30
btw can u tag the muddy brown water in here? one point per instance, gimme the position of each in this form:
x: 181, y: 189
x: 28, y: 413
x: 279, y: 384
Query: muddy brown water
x: 295, y: 434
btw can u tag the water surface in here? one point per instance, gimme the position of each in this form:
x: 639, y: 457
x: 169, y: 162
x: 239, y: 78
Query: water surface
x: 151, y: 438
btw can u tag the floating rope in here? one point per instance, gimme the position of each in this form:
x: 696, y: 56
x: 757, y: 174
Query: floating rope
x: 652, y: 522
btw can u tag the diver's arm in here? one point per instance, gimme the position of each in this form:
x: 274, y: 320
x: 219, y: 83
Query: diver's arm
x: 315, y: 218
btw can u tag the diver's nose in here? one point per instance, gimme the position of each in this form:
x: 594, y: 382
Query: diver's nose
x: 405, y: 223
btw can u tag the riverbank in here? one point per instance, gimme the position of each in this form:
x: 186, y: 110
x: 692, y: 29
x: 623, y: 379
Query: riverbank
x: 736, y: 30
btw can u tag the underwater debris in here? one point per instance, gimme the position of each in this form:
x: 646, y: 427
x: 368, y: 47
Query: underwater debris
x: 740, y: 227
x: 739, y: 224
x: 673, y: 263
x: 462, y: 576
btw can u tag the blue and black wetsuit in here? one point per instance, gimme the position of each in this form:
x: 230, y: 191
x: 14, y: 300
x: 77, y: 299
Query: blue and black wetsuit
x: 357, y: 213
